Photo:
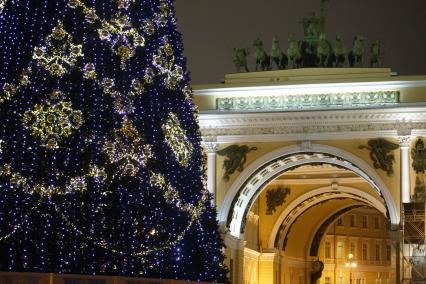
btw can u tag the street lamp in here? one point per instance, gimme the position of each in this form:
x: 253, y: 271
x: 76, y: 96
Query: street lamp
x: 350, y: 263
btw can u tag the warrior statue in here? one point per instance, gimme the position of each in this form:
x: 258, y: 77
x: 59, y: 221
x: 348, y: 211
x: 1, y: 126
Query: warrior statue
x: 376, y: 53
x: 323, y: 51
x: 277, y: 55
x: 357, y: 53
x: 262, y: 59
x: 293, y: 52
x: 340, y: 53
x: 240, y: 59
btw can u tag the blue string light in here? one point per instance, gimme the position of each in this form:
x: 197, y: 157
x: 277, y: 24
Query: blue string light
x: 83, y: 204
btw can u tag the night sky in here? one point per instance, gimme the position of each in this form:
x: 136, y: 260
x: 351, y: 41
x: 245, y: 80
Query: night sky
x: 212, y: 28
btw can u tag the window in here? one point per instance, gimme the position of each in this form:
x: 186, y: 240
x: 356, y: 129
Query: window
x: 376, y: 222
x: 300, y: 279
x: 340, y: 280
x: 352, y: 249
x: 340, y: 222
x: 352, y: 220
x: 358, y: 281
x: 378, y: 281
x: 388, y: 253
x: 327, y: 249
x: 339, y: 251
x: 364, y: 252
x: 327, y: 280
x: 377, y: 258
x: 364, y: 222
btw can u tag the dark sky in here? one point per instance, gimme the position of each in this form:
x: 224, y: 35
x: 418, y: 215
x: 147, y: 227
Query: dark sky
x: 212, y: 28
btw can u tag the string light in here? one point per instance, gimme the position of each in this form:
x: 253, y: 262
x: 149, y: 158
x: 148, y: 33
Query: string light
x: 100, y: 159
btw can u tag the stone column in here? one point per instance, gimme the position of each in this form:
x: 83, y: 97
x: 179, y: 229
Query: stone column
x: 211, y: 148
x: 404, y: 142
x: 396, y: 236
x: 235, y: 253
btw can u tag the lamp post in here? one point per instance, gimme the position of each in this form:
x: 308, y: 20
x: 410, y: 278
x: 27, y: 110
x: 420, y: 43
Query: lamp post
x: 350, y: 263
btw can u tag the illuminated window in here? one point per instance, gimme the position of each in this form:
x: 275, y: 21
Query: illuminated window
x: 340, y: 222
x: 352, y: 248
x: 364, y: 251
x: 376, y: 222
x: 327, y: 280
x: 364, y: 222
x: 388, y: 253
x: 340, y: 280
x: 327, y: 249
x: 377, y: 251
x: 352, y: 220
x: 340, y: 250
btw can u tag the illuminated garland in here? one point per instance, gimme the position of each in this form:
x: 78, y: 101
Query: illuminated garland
x: 9, y: 90
x: 2, y: 4
x: 177, y: 140
x: 17, y: 180
x: 59, y: 54
x: 119, y: 33
x: 53, y: 121
x: 130, y: 154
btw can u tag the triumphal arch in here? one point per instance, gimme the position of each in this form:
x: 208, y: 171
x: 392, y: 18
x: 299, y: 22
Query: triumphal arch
x: 318, y: 174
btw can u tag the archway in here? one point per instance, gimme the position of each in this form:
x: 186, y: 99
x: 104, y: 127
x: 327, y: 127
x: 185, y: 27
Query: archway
x: 258, y: 174
x: 312, y: 198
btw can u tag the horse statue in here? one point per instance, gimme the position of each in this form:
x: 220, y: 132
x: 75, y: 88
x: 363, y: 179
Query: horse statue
x: 277, y: 55
x: 376, y: 53
x: 240, y: 58
x: 294, y: 53
x: 323, y: 50
x: 357, y: 53
x: 340, y: 52
x: 262, y: 59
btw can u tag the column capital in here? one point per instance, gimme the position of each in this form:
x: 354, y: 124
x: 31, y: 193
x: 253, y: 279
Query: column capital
x: 210, y: 146
x: 404, y: 141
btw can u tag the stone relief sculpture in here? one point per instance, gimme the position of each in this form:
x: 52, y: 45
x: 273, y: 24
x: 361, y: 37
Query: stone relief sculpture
x: 380, y: 152
x: 274, y: 198
x: 418, y: 156
x: 236, y: 158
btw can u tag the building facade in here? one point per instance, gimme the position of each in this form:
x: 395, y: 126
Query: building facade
x: 291, y: 153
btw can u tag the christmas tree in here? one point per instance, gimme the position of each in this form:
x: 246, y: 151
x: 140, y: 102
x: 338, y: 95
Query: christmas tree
x: 101, y: 168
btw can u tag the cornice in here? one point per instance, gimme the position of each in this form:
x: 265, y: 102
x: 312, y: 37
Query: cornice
x: 314, y: 125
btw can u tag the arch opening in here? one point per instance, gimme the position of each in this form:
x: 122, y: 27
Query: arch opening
x: 252, y: 181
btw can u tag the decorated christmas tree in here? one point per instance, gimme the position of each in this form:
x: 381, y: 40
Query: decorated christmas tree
x: 101, y: 168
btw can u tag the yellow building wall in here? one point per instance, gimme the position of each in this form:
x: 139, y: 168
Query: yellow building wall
x: 368, y: 270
